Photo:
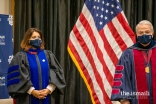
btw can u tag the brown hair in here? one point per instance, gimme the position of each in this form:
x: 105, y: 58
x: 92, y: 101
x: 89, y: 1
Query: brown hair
x: 25, y: 41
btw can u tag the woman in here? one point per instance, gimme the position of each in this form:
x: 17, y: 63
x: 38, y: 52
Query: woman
x: 34, y: 74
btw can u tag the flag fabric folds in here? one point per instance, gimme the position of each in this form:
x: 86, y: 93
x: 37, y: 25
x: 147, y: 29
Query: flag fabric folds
x: 95, y: 44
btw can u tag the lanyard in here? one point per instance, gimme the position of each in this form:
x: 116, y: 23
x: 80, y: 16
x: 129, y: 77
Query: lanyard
x: 147, y: 59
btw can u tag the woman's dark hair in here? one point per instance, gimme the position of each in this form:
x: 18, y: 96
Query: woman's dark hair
x: 25, y: 41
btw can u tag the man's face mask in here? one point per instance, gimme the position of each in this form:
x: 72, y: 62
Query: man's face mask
x: 144, y: 39
x: 36, y: 43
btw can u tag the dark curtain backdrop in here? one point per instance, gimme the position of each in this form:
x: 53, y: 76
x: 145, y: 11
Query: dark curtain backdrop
x: 56, y: 18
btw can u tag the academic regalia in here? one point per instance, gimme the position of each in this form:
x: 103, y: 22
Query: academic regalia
x: 135, y: 78
x: 35, y: 68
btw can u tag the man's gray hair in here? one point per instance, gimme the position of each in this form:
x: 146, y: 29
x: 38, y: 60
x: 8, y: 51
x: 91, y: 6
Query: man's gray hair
x: 144, y: 22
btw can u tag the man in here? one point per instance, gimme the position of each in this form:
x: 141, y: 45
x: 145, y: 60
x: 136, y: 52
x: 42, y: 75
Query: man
x: 135, y: 74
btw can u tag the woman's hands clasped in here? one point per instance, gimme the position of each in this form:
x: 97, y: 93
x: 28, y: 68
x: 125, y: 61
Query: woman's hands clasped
x: 40, y: 94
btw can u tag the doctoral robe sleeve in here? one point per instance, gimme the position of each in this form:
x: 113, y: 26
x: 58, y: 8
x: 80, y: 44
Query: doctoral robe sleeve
x: 18, y: 78
x: 122, y: 86
x: 56, y: 73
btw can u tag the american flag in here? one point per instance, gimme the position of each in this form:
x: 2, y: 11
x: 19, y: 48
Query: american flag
x: 95, y: 44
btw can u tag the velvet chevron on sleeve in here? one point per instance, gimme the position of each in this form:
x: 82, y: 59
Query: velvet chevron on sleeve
x: 18, y: 79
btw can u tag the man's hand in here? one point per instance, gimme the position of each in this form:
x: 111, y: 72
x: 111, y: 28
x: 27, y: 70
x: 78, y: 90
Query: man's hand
x: 124, y: 102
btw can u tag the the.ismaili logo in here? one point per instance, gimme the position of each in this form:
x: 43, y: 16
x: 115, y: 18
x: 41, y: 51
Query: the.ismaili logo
x: 2, y: 40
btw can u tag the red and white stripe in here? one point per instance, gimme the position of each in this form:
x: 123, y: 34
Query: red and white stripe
x: 96, y: 53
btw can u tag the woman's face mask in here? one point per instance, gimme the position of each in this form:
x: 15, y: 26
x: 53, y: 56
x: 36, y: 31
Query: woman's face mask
x: 144, y: 39
x: 36, y: 43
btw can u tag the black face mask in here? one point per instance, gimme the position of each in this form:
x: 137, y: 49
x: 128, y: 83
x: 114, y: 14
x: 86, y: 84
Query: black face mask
x: 144, y: 39
x: 36, y: 43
